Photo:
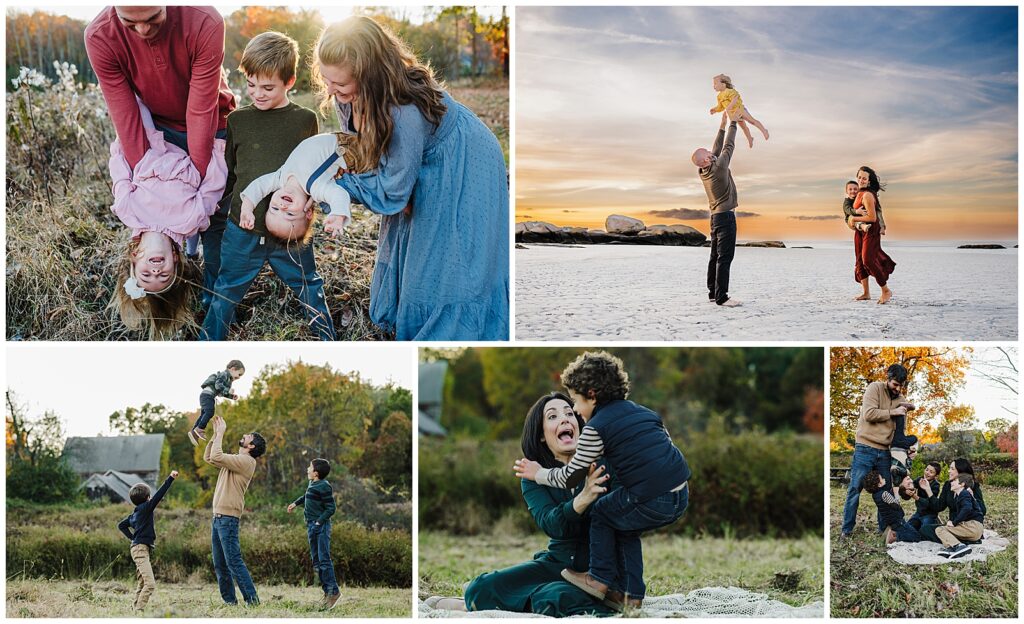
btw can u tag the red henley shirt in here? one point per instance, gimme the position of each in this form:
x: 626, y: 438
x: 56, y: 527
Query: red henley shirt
x: 177, y: 74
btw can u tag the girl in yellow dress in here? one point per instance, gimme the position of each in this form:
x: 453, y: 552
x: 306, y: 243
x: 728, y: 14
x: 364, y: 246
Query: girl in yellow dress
x: 729, y: 100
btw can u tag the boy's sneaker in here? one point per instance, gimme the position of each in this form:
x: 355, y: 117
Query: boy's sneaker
x: 945, y: 552
x: 618, y: 601
x: 960, y: 550
x: 888, y: 536
x: 193, y: 437
x: 331, y: 601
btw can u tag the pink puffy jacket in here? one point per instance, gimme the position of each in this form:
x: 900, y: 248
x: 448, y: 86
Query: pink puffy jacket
x: 165, y: 193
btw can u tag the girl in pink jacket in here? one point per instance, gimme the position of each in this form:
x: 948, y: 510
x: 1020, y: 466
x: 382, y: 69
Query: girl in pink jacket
x: 164, y: 201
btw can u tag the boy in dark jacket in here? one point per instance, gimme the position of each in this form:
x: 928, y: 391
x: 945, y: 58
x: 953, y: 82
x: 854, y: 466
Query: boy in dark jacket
x: 318, y: 507
x: 139, y: 528
x: 638, y: 449
x: 889, y: 508
x: 217, y: 384
x: 966, y: 525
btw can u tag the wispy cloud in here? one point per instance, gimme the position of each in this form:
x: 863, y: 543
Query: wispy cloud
x: 611, y: 101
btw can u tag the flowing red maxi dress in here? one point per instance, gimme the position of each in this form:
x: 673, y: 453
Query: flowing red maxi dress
x: 871, y: 260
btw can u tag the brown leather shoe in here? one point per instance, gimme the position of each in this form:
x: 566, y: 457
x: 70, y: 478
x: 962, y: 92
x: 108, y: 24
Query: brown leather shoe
x: 331, y: 601
x: 587, y: 583
x: 616, y: 600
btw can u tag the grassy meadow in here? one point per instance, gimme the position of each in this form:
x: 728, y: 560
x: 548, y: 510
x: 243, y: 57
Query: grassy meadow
x: 866, y: 582
x: 789, y: 570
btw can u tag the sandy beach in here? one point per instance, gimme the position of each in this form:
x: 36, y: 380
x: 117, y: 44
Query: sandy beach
x: 621, y: 292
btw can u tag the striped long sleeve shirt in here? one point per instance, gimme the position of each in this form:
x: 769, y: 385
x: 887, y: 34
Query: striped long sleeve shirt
x: 589, y: 449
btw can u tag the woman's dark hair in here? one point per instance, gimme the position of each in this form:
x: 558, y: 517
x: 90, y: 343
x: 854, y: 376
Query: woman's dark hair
x: 872, y: 482
x: 937, y: 466
x: 963, y: 466
x: 897, y: 372
x: 534, y: 447
x: 599, y: 371
x: 874, y: 184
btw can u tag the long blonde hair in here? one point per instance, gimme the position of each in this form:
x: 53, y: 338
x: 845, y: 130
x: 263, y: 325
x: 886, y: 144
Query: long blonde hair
x: 161, y: 315
x: 388, y: 75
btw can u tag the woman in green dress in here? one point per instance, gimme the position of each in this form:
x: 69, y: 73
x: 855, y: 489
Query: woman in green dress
x: 549, y: 438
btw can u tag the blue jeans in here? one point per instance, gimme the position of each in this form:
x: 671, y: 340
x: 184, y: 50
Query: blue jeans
x: 865, y: 459
x: 320, y: 553
x: 180, y: 139
x: 242, y: 256
x: 207, y: 406
x: 211, y: 249
x: 228, y: 564
x: 723, y: 249
x: 918, y: 520
x: 616, y: 522
x: 906, y: 533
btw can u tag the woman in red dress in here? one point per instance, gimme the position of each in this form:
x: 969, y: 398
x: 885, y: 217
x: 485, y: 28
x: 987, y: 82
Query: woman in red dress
x: 871, y: 260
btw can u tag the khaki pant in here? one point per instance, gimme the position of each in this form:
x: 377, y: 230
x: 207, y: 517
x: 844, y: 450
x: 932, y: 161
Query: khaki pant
x: 144, y: 574
x: 970, y: 530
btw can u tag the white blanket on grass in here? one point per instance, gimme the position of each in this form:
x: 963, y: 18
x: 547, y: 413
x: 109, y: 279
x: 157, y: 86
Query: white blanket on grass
x: 927, y: 553
x: 707, y: 602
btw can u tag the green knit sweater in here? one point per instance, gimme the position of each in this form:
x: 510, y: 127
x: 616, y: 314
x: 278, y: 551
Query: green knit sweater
x: 258, y: 143
x: 318, y: 501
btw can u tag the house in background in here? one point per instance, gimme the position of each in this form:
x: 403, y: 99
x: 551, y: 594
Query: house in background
x: 431, y: 392
x: 110, y: 466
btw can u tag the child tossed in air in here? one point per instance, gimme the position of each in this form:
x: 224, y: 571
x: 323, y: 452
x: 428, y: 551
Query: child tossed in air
x: 729, y: 100
x: 852, y: 190
x: 639, y: 452
x: 318, y: 506
x: 139, y: 528
x: 902, y: 447
x: 217, y: 384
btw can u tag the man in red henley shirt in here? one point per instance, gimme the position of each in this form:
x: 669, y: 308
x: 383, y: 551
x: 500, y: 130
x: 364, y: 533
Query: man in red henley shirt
x: 171, y: 58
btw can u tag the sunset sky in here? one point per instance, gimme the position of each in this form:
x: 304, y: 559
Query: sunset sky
x: 611, y: 102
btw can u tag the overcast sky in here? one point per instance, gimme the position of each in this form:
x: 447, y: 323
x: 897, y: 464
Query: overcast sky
x: 85, y: 383
x: 611, y: 102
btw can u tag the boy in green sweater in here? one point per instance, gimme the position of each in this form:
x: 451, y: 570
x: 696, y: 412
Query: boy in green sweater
x: 260, y: 138
x: 318, y: 507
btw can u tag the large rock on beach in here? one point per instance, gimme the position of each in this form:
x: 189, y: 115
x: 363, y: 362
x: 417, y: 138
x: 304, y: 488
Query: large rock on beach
x: 621, y: 224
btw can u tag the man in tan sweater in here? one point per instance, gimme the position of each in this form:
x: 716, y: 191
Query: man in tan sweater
x: 228, y: 502
x: 875, y: 428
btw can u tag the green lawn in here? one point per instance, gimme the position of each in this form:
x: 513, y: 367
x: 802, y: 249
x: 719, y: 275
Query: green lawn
x: 91, y: 599
x: 866, y: 582
x: 672, y: 564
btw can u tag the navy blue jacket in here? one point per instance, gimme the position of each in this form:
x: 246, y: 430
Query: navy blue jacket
x: 138, y: 527
x: 967, y: 508
x: 888, y: 506
x: 639, y: 449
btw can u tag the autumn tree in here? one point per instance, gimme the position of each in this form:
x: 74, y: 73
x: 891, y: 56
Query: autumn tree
x: 304, y: 26
x: 150, y: 418
x: 936, y: 374
x: 36, y: 471
x: 388, y: 459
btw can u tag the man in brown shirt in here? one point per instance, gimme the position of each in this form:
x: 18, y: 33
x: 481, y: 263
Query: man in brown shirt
x: 228, y: 502
x: 882, y: 400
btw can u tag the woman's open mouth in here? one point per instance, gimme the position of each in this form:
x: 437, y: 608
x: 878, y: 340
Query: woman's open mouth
x: 566, y: 434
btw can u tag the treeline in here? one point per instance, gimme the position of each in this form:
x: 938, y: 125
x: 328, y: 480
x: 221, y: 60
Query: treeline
x: 488, y: 391
x: 748, y: 484
x: 304, y: 411
x: 458, y: 42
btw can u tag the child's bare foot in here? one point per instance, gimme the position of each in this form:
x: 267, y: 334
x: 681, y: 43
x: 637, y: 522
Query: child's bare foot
x: 750, y: 141
x: 764, y: 131
x: 886, y: 296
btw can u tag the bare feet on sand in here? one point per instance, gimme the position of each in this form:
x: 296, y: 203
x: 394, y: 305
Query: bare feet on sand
x: 862, y: 297
x: 886, y: 296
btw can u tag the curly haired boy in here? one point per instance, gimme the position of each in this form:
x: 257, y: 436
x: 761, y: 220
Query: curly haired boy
x: 640, y: 453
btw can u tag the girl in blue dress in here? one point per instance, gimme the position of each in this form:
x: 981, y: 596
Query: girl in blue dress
x: 440, y: 186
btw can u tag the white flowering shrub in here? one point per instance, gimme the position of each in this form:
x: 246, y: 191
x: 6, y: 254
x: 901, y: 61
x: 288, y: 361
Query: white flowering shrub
x: 54, y: 127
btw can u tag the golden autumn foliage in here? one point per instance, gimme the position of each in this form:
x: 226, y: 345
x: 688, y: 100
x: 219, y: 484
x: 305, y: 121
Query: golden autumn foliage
x: 936, y: 375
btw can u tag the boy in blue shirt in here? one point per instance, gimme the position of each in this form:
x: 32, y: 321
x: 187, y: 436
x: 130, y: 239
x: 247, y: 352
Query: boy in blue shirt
x: 653, y: 474
x: 139, y: 528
